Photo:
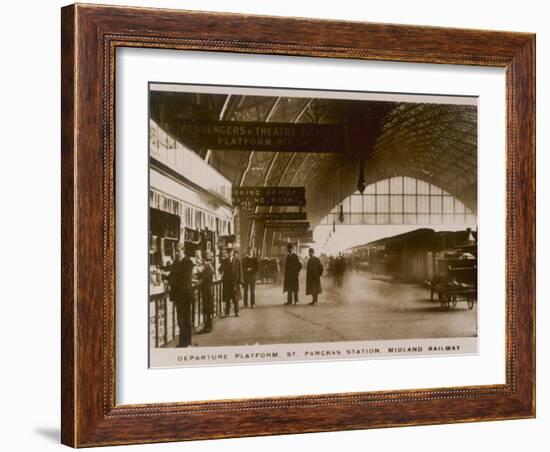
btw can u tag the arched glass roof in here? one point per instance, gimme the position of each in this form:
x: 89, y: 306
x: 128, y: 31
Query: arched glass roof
x: 433, y: 144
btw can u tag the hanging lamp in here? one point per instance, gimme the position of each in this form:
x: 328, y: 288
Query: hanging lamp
x: 341, y: 208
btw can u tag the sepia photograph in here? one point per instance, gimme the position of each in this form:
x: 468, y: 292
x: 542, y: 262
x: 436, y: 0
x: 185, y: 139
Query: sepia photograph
x: 301, y: 225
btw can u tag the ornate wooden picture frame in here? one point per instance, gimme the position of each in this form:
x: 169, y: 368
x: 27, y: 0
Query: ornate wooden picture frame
x: 90, y: 38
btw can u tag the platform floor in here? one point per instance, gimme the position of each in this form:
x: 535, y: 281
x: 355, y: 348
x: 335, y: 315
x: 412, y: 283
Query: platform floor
x: 364, y: 308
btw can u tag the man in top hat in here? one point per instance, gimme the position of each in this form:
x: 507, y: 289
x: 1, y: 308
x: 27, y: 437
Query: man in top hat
x: 292, y: 269
x: 314, y: 271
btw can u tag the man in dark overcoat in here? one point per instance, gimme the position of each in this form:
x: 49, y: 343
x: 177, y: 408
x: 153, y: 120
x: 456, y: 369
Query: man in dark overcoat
x: 292, y: 270
x: 314, y: 271
x: 181, y: 294
x: 250, y: 269
x: 230, y: 268
x: 207, y: 280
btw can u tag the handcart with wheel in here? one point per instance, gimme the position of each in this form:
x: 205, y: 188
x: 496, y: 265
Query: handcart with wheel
x: 449, y: 295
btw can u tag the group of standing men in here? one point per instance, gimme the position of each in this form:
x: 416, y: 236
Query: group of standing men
x: 235, y: 274
x: 314, y: 271
x: 181, y: 292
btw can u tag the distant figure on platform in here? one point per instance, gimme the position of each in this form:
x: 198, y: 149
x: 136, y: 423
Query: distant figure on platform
x: 314, y: 271
x: 292, y: 269
x: 277, y: 271
x: 231, y: 271
x: 331, y: 269
x: 266, y: 270
x: 181, y: 294
x: 339, y: 269
x: 250, y: 269
x: 207, y: 280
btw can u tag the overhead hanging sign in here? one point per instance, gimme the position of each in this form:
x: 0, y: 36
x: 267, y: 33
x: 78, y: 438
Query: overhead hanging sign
x: 288, y: 226
x: 262, y: 136
x: 251, y: 197
x: 306, y: 236
x: 278, y: 216
x: 284, y: 243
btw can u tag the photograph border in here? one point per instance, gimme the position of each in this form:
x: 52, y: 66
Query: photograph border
x: 90, y: 36
x: 288, y: 91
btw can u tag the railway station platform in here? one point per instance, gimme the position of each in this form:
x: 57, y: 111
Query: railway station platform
x: 364, y: 308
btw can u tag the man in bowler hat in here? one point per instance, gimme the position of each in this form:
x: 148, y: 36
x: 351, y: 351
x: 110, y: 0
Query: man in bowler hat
x: 314, y: 271
x: 230, y: 268
x: 181, y: 293
x: 250, y: 268
x: 292, y: 269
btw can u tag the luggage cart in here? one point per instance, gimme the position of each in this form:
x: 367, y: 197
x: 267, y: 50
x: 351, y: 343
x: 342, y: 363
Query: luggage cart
x: 450, y: 295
